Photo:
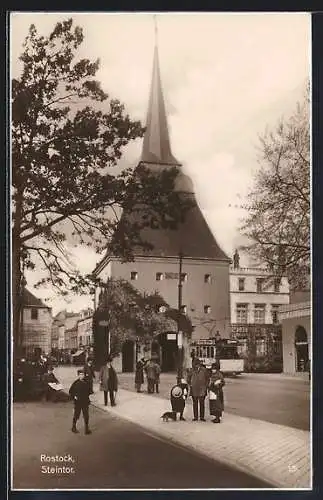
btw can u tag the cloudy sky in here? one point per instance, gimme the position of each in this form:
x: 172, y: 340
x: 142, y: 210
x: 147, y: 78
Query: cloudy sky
x: 225, y: 78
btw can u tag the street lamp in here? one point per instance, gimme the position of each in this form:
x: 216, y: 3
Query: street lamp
x: 179, y: 335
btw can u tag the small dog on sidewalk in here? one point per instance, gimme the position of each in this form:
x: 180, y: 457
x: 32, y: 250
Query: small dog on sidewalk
x: 169, y: 415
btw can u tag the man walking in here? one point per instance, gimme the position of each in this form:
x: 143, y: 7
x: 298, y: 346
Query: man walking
x: 108, y: 382
x: 80, y: 392
x: 89, y: 373
x: 198, y: 380
x: 151, y: 370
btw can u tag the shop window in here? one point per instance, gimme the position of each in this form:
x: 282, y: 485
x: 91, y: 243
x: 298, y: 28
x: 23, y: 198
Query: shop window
x: 241, y: 284
x: 242, y: 347
x: 207, y: 278
x: 34, y: 313
x: 159, y: 276
x: 133, y: 275
x: 260, y: 347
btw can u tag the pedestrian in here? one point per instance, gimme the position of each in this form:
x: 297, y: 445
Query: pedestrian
x: 139, y: 374
x: 151, y: 372
x: 157, y: 377
x: 89, y: 373
x: 80, y: 392
x: 108, y: 382
x: 178, y: 396
x: 216, y: 396
x: 49, y: 378
x: 198, y: 381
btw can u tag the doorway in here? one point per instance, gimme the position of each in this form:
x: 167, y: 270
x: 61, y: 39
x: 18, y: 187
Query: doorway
x: 128, y: 356
x: 301, y: 346
x: 168, y: 347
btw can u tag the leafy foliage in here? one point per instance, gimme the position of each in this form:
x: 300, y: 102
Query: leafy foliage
x: 278, y: 222
x: 129, y: 314
x: 67, y: 140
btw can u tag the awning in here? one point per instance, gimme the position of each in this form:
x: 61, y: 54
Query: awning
x: 78, y: 353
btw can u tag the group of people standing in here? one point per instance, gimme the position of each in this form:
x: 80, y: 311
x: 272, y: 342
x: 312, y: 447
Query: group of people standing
x: 201, y: 383
x: 152, y: 370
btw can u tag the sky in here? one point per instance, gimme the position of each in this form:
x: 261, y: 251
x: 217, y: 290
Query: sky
x: 226, y: 77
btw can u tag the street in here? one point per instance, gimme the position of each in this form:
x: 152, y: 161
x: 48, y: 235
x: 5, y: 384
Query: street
x: 272, y: 398
x: 118, y: 455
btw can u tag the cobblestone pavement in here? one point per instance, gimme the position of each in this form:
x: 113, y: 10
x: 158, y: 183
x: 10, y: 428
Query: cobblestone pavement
x: 277, y: 454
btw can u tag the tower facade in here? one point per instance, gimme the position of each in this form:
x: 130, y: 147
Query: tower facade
x: 205, y: 267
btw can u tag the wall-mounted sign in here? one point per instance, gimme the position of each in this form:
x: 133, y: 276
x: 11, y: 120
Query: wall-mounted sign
x: 171, y: 336
x: 103, y: 322
x: 171, y: 276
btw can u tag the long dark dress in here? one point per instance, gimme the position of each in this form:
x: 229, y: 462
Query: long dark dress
x: 139, y: 375
x: 216, y: 405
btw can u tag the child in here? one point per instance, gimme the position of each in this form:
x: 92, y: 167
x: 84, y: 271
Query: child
x: 178, y: 396
x: 80, y: 392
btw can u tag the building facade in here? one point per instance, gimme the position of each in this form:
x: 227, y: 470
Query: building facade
x: 85, y: 329
x: 256, y: 298
x: 190, y: 249
x: 36, y: 325
x: 296, y: 333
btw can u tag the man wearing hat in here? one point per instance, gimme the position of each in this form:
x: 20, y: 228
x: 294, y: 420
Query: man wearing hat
x: 108, y: 382
x: 198, y: 380
x: 80, y: 392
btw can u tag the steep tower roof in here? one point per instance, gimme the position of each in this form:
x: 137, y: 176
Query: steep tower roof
x: 156, y: 145
x: 193, y: 237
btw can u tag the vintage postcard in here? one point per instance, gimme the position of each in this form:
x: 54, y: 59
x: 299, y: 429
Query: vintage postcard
x: 161, y: 260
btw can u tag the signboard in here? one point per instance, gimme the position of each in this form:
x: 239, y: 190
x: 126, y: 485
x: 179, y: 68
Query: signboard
x: 103, y: 322
x: 171, y: 336
x: 171, y: 276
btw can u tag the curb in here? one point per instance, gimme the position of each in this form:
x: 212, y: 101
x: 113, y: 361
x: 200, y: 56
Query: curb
x: 187, y: 446
x: 237, y: 461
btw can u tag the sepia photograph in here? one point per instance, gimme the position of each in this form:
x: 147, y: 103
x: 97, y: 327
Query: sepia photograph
x: 160, y: 168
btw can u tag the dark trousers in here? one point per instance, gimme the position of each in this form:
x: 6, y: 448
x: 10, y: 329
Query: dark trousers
x: 111, y: 395
x: 78, y: 408
x: 198, y: 401
x: 157, y: 388
x: 151, y: 385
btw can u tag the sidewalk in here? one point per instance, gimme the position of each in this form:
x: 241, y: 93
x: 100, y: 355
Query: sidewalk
x: 274, y: 453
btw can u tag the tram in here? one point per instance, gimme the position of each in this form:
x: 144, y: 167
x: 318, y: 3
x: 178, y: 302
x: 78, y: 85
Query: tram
x: 223, y: 351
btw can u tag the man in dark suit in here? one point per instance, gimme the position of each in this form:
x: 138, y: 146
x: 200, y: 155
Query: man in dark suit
x: 80, y: 392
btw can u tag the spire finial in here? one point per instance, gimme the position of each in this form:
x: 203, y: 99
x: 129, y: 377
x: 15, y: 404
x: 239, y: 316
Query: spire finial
x: 156, y: 30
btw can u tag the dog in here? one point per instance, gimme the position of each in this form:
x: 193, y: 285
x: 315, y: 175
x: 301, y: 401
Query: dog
x: 169, y: 415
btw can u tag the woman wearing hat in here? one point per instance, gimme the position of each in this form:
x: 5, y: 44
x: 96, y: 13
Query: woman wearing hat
x: 216, y: 393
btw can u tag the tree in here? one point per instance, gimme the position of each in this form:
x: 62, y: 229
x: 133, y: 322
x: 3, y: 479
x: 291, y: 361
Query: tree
x: 278, y: 220
x: 129, y: 314
x: 67, y: 140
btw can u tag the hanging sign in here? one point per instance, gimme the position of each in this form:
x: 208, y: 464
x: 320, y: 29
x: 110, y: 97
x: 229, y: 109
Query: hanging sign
x: 104, y: 322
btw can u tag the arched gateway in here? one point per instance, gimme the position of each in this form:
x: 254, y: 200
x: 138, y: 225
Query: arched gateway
x: 301, y: 347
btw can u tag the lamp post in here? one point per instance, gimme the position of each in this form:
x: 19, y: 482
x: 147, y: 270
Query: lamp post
x: 179, y: 335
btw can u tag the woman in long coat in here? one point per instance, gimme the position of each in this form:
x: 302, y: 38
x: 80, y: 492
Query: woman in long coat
x: 216, y: 393
x: 139, y: 374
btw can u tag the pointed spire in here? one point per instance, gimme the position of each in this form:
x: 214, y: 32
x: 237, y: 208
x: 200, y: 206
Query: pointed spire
x: 156, y: 146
